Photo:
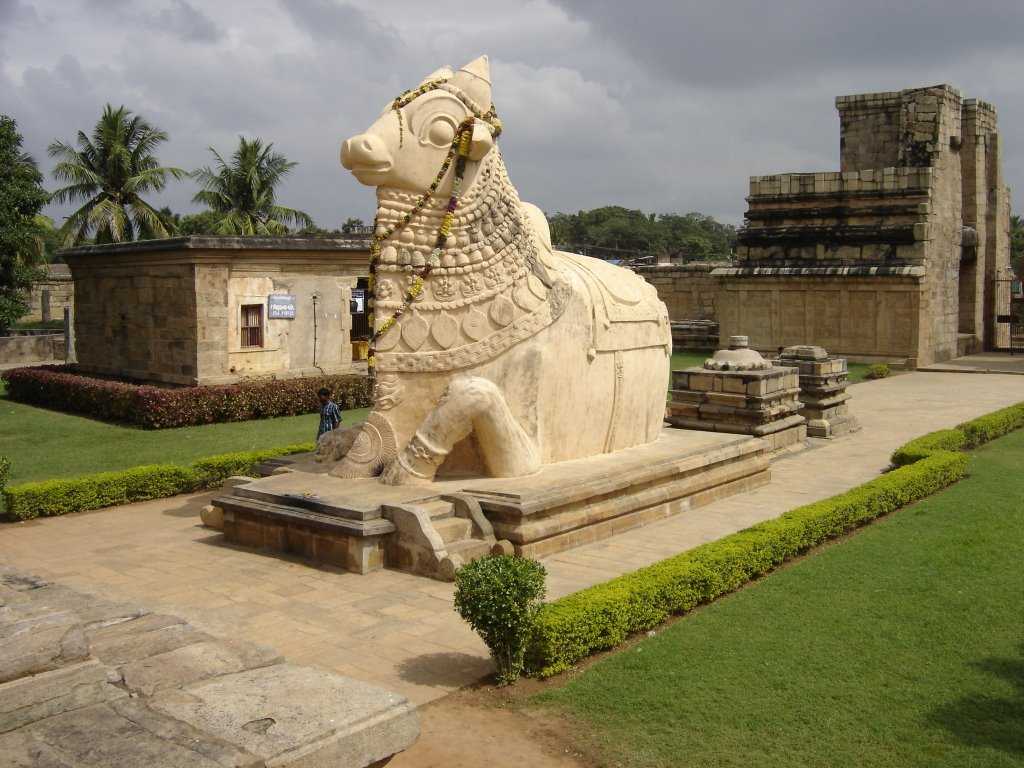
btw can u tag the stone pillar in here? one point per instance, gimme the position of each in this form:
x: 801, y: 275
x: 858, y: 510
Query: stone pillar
x: 44, y: 305
x: 823, y: 395
x: 69, y: 337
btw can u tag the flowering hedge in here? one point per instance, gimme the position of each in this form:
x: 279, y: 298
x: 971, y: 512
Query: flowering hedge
x: 152, y: 407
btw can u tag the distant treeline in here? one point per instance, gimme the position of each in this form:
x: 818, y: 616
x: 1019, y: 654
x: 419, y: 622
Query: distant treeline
x: 614, y: 232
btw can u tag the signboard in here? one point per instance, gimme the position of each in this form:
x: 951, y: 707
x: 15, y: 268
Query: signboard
x: 358, y: 301
x: 281, y: 306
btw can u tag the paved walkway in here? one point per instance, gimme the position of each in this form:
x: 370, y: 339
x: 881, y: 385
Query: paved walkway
x: 400, y: 631
x: 983, y: 362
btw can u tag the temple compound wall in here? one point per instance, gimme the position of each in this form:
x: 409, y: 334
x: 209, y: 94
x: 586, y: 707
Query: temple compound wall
x: 51, y: 295
x: 216, y: 310
x: 903, y: 254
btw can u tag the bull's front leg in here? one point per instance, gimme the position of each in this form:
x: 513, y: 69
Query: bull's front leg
x: 469, y: 405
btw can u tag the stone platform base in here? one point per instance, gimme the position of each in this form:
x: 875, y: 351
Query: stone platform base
x: 362, y: 525
x: 88, y: 682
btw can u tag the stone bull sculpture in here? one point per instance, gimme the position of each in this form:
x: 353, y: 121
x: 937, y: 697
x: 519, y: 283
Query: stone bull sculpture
x: 508, y: 355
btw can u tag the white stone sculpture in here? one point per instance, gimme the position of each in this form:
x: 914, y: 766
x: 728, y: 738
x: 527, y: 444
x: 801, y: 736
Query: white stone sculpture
x: 505, y: 355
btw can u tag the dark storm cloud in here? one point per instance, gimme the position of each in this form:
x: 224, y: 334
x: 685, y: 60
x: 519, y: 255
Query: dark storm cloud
x: 338, y: 22
x: 189, y: 23
x: 739, y: 43
x: 663, y: 106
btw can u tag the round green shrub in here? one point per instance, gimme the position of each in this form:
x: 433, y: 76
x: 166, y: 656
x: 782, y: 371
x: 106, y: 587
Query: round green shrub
x: 877, y: 371
x: 499, y: 596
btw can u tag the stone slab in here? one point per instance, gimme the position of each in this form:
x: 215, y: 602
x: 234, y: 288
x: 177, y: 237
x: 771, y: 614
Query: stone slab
x: 120, y: 734
x: 118, y: 650
x: 197, y: 661
x: 38, y: 642
x: 36, y: 697
x: 297, y: 716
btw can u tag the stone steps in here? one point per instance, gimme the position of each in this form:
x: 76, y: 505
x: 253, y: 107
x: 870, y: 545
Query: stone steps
x: 453, y: 529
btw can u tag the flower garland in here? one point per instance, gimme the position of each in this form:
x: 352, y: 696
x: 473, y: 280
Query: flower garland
x: 459, y: 152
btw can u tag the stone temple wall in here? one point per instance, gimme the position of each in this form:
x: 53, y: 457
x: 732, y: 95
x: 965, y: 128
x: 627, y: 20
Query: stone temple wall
x: 50, y: 295
x: 688, y: 290
x: 137, y: 321
x: 895, y: 256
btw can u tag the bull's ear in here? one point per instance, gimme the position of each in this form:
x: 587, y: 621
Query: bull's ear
x: 444, y: 73
x: 482, y: 141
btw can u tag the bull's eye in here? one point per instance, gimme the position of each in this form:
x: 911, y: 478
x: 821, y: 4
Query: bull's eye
x: 441, y: 131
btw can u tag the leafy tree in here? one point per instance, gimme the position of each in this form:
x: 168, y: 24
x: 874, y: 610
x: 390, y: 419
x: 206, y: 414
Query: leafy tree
x: 110, y: 171
x: 242, y: 191
x: 170, y: 219
x: 351, y: 225
x: 49, y: 238
x: 21, y: 233
x: 1017, y: 244
x: 204, y: 223
x: 616, y: 232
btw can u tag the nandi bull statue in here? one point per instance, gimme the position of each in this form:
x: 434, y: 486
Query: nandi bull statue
x: 492, y: 354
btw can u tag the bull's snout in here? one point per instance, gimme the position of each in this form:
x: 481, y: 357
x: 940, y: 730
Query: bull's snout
x: 365, y: 152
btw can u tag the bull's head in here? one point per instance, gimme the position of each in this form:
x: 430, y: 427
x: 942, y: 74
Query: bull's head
x: 405, y: 151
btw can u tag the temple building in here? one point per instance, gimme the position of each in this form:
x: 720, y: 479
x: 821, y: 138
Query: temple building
x: 901, y: 255
x: 216, y: 310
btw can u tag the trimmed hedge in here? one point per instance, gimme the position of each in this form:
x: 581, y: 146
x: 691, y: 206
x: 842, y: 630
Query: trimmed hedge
x: 77, y: 494
x: 5, y: 471
x: 979, y: 431
x: 603, y: 616
x: 968, y: 435
x: 925, y: 446
x: 152, y: 407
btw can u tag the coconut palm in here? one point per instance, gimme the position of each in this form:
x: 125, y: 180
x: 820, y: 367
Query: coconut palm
x: 242, y: 191
x: 110, y: 171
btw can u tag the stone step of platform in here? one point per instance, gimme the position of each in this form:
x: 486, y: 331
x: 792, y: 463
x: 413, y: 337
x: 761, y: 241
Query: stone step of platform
x: 453, y: 529
x: 438, y: 509
x: 470, y: 549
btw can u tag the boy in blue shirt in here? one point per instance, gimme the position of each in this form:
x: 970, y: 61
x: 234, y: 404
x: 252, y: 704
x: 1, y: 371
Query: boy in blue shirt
x: 330, y: 414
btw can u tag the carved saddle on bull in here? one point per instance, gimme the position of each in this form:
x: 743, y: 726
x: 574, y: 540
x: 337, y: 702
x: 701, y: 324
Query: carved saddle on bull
x: 492, y: 354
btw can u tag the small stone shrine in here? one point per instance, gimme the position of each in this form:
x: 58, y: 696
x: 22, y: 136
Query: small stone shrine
x: 823, y: 382
x: 738, y: 391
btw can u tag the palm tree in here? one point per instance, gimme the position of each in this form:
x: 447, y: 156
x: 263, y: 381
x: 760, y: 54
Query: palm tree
x: 242, y: 191
x: 110, y: 171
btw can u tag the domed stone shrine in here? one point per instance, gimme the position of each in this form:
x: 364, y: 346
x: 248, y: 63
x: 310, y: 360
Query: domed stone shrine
x: 738, y: 391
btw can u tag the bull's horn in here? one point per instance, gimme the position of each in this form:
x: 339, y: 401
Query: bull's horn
x: 475, y: 81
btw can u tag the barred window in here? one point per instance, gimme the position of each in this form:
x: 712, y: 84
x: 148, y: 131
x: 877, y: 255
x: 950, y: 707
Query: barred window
x: 252, y: 325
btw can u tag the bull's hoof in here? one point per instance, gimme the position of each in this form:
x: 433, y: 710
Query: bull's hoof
x: 503, y: 547
x: 396, y: 474
x: 212, y: 517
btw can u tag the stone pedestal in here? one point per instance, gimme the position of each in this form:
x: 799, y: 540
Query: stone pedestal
x: 823, y: 395
x: 361, y: 524
x: 740, y: 392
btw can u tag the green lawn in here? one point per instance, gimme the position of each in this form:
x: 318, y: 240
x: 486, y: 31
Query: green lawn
x: 902, y: 646
x: 687, y: 359
x: 44, y: 444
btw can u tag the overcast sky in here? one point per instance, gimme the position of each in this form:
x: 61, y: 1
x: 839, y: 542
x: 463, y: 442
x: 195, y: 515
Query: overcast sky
x: 663, y: 106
